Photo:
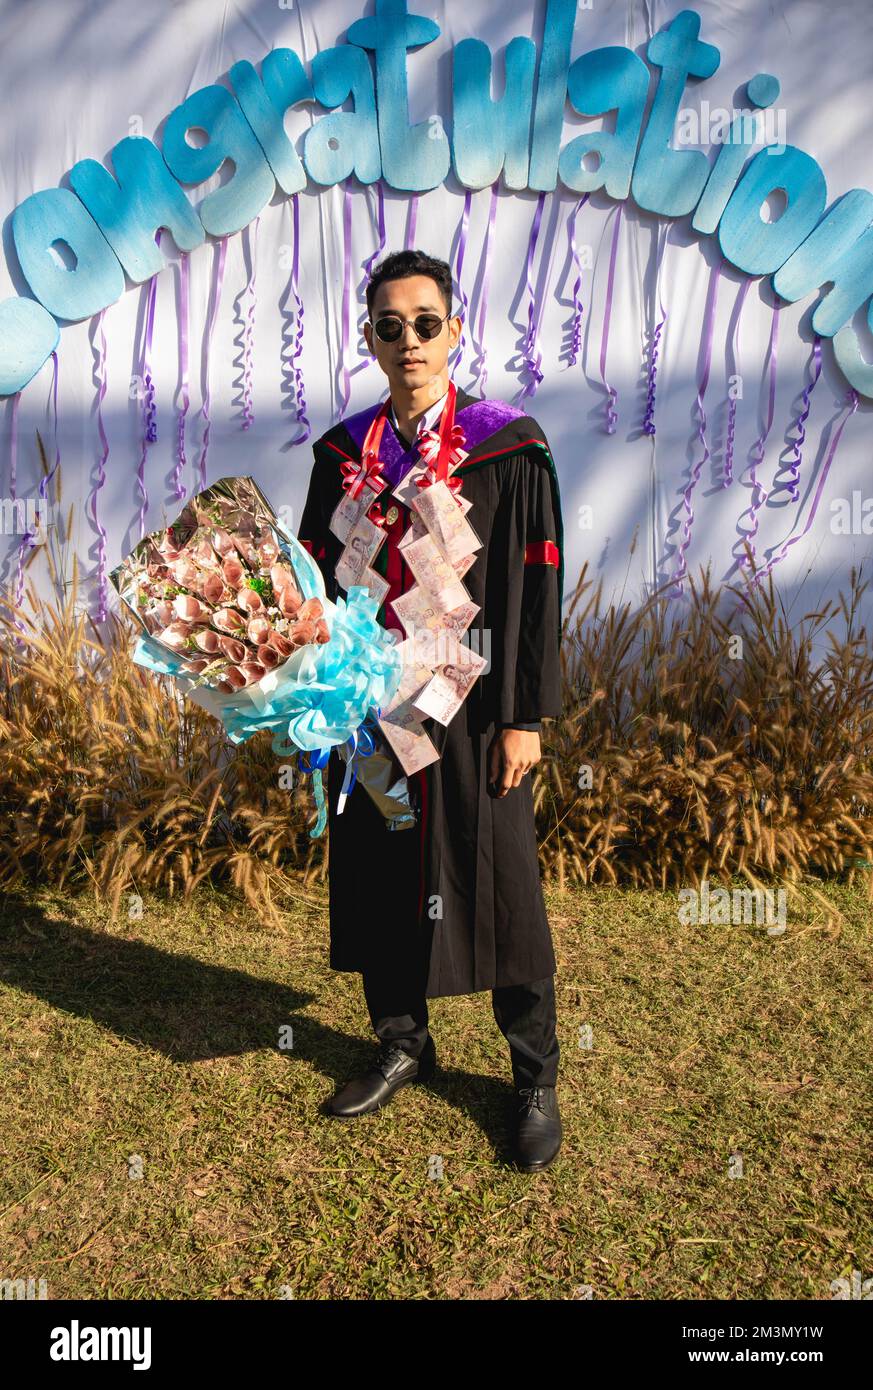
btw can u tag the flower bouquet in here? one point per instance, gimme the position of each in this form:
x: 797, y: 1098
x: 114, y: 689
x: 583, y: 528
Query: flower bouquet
x: 234, y: 609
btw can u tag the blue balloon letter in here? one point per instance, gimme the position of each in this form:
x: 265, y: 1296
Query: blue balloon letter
x: 56, y: 215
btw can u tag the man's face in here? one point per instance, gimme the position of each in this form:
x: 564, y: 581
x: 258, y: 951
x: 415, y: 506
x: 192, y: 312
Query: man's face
x: 408, y: 362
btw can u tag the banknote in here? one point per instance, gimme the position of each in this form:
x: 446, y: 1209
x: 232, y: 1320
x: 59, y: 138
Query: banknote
x: 407, y: 488
x: 413, y: 532
x: 362, y: 544
x: 446, y: 522
x: 414, y: 675
x: 409, y: 742
x: 399, y: 721
x: 447, y: 689
x: 434, y: 631
x: 434, y: 573
x: 376, y: 585
x: 348, y: 513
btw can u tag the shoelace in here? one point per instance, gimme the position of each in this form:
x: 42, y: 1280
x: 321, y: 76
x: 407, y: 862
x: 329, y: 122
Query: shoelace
x: 387, y: 1053
x: 533, y: 1097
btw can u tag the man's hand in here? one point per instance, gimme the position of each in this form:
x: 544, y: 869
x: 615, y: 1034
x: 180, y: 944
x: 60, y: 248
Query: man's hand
x: 511, y: 753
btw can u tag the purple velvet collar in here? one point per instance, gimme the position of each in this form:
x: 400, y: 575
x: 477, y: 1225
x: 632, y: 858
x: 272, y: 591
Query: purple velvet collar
x: 479, y: 420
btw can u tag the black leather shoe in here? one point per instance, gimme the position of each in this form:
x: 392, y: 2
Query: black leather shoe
x: 538, y: 1130
x: 392, y: 1068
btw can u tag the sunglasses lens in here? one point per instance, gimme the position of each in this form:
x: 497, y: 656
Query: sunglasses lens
x: 428, y: 325
x: 389, y: 329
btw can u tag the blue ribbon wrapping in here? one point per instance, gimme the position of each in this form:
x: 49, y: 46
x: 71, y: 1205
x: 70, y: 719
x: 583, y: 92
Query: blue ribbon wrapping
x: 321, y: 697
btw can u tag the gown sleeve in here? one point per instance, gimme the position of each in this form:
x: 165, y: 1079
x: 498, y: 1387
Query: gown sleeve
x: 530, y: 686
x: 314, y: 531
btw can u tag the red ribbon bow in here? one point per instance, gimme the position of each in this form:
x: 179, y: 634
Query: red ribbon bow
x: 429, y: 445
x: 430, y: 477
x: 366, y: 474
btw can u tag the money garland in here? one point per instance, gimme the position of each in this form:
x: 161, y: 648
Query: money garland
x: 439, y: 547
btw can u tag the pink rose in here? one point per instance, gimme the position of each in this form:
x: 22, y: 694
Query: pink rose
x: 258, y: 630
x: 250, y: 600
x: 233, y: 571
x: 191, y: 609
x: 232, y: 679
x: 281, y: 644
x: 246, y: 549
x: 301, y: 633
x: 310, y: 609
x: 206, y: 639
x: 289, y: 602
x: 228, y: 620
x: 253, y: 671
x: 234, y: 651
x: 176, y: 635
x: 213, y: 588
x: 184, y: 571
x: 268, y: 656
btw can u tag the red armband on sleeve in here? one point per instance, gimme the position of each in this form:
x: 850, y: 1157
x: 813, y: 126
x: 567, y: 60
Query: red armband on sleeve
x: 542, y: 553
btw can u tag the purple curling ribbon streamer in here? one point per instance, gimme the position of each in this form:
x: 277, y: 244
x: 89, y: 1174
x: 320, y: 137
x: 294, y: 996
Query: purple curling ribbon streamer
x: 486, y: 282
x: 220, y: 255
x: 380, y: 227
x: 578, y: 309
x: 181, y: 460
x: 101, y: 475
x: 793, y: 481
x: 347, y: 298
x: 760, y: 494
x: 412, y: 221
x: 531, y: 356
x: 149, y: 413
x: 249, y: 333
x: 730, y: 434
x: 367, y: 360
x: 13, y: 483
x: 611, y: 393
x: 462, y: 247
x: 294, y: 364
x: 652, y: 373
x: 45, y: 482
x: 703, y: 382
x: 853, y: 400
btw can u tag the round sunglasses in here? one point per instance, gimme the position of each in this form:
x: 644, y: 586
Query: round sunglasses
x: 390, y: 327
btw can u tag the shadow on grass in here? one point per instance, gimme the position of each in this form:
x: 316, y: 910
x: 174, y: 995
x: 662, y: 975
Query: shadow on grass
x: 190, y: 1010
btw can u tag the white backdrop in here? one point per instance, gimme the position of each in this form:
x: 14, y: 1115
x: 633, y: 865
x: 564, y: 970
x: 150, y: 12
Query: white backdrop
x: 78, y: 77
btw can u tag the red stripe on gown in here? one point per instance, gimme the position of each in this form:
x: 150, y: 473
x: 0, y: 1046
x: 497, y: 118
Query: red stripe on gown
x: 400, y: 579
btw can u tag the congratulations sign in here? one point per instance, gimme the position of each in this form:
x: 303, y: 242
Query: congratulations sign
x: 108, y: 222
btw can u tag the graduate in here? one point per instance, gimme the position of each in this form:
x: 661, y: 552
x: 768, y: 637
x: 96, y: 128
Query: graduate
x: 454, y: 904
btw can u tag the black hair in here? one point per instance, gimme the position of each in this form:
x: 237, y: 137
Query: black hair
x: 401, y: 264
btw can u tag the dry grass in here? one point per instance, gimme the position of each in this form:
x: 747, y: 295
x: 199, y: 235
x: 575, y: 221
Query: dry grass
x: 710, y: 757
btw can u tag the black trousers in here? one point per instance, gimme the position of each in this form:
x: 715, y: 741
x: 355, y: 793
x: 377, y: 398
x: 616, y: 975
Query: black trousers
x: 525, y: 1015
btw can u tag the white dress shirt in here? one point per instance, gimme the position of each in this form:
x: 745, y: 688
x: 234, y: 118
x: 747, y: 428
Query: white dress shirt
x: 428, y: 421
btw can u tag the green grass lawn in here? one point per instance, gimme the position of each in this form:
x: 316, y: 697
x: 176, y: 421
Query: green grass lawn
x: 159, y: 1038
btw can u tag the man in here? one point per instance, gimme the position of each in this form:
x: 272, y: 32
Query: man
x: 453, y: 905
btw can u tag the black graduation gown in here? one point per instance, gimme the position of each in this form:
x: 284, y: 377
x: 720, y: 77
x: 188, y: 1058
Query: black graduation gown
x: 458, y: 896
